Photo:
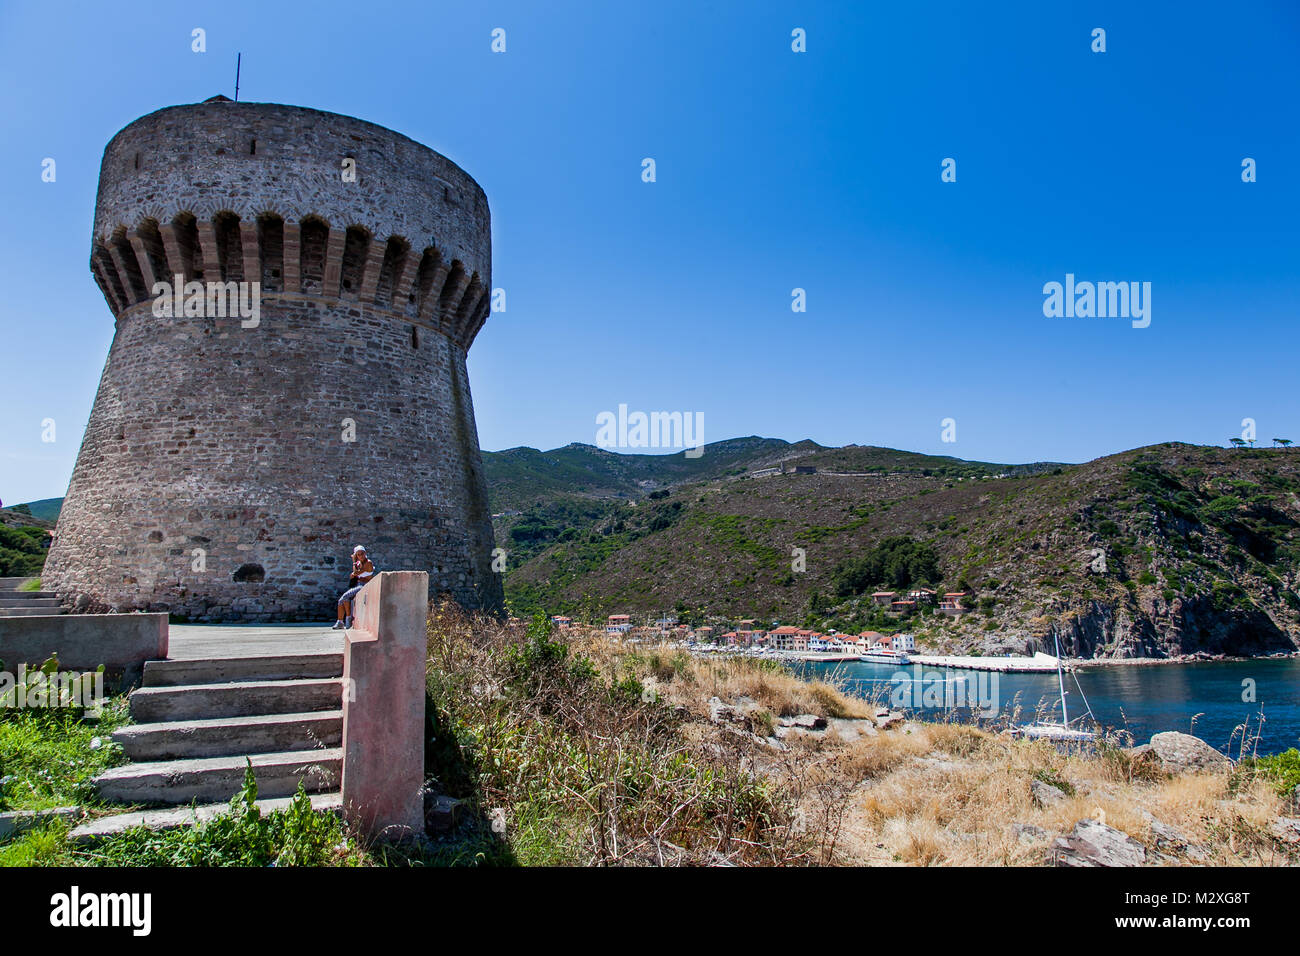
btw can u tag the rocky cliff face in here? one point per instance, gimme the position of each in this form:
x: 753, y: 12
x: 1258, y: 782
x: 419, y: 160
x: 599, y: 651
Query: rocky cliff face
x: 1154, y: 629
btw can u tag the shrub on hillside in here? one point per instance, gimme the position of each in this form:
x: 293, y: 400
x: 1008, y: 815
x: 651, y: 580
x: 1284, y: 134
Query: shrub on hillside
x: 22, y: 551
x: 898, y: 562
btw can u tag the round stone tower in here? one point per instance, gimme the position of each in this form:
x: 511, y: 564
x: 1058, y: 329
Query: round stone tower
x: 299, y: 389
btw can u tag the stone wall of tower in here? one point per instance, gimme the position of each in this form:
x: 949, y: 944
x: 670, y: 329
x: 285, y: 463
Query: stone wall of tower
x: 219, y: 478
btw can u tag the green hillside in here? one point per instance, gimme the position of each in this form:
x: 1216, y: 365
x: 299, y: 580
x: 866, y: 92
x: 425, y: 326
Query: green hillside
x: 1172, y: 549
x: 1160, y: 551
x: 47, y: 509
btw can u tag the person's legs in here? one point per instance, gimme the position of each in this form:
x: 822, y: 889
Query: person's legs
x: 345, y: 608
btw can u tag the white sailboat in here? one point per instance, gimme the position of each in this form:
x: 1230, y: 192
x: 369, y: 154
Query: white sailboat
x: 1061, y: 731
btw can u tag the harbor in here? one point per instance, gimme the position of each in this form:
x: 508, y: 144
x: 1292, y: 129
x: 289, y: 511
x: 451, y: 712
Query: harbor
x: 1040, y: 663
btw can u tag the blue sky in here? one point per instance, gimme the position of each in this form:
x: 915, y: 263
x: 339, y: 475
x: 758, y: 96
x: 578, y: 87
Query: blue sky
x: 775, y: 170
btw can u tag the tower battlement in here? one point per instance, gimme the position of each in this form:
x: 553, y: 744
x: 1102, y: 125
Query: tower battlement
x: 227, y: 471
x: 224, y: 191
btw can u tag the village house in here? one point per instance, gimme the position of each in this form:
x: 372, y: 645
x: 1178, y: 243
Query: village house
x: 618, y: 624
x: 951, y: 604
x: 884, y: 598
x: 902, y: 607
x: 789, y: 638
x: 890, y: 642
x: 561, y: 622
x: 921, y: 595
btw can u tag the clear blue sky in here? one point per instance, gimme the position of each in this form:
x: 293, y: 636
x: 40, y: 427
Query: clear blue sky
x: 776, y: 170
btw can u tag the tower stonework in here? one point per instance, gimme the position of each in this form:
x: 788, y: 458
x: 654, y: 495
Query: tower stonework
x: 228, y: 467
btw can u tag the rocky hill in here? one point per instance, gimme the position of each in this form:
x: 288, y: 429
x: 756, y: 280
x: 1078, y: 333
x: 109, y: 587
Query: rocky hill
x: 1157, y: 552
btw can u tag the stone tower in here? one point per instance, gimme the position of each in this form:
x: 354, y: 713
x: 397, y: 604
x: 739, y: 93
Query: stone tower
x: 231, y: 462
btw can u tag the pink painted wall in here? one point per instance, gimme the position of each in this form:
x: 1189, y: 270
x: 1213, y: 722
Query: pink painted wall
x: 383, y: 705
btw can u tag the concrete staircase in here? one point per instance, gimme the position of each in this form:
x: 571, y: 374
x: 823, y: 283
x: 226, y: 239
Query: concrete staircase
x: 15, y: 603
x: 199, y: 719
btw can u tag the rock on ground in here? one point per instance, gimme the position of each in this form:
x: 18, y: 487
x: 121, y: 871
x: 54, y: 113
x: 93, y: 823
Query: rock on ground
x: 1045, y: 794
x: 1093, y: 843
x: 1287, y: 829
x: 1028, y: 833
x: 1183, y: 753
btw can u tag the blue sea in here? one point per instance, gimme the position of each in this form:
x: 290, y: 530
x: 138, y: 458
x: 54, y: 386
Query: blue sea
x: 1213, y: 700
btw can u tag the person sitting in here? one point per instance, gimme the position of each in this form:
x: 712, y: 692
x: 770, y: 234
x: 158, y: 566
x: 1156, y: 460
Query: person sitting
x: 363, y: 569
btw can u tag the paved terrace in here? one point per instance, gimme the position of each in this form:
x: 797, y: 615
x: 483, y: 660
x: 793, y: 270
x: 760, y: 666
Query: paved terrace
x: 207, y: 641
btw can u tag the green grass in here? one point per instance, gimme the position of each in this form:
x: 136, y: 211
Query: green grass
x: 1283, y: 769
x: 297, y: 836
x: 34, y: 584
x: 48, y: 757
x: 44, y: 846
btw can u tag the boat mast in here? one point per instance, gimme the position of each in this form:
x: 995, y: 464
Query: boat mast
x: 1060, y: 677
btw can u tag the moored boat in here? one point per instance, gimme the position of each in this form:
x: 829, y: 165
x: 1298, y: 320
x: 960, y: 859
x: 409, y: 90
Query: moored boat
x: 885, y: 657
x: 1061, y: 731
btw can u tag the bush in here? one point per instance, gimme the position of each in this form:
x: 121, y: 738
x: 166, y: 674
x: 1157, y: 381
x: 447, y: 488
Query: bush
x: 22, y: 551
x: 584, y: 760
x: 898, y: 562
x: 1283, y: 769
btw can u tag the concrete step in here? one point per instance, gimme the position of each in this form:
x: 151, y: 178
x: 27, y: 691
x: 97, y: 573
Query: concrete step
x: 28, y: 599
x: 29, y: 611
x: 231, y: 736
x: 172, y: 673
x: 170, y: 819
x: 9, y: 584
x: 214, y: 779
x: 234, y: 699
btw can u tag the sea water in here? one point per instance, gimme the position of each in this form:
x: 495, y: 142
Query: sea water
x: 1218, y: 701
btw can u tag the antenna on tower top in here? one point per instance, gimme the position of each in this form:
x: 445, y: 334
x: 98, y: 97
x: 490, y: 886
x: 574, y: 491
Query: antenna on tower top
x: 238, y: 61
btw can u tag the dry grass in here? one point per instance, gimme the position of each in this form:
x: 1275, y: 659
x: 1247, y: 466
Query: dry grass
x: 921, y: 794
x: 690, y: 681
x: 579, y: 764
x: 943, y: 795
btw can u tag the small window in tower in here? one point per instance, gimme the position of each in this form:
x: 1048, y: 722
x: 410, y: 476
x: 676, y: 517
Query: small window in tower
x: 137, y: 160
x: 252, y: 149
x: 249, y: 574
x: 415, y: 337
